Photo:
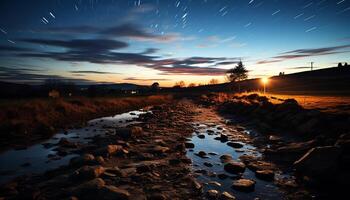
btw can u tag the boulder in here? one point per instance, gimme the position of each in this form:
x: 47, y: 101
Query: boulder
x: 234, y: 167
x: 319, y: 161
x: 244, y: 185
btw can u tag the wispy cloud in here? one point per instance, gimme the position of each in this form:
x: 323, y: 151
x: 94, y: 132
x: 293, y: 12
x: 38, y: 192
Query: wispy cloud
x: 303, y: 53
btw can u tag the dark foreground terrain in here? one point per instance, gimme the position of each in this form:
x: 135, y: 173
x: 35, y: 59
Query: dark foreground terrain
x: 212, y: 147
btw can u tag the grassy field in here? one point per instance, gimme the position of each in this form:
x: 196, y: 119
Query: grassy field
x: 31, y: 119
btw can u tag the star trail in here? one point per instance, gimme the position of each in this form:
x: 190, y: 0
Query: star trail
x: 142, y: 41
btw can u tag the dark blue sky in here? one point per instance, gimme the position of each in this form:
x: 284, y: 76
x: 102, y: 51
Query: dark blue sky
x: 161, y: 40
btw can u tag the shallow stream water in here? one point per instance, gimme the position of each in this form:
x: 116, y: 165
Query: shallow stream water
x: 41, y: 157
x: 214, y: 149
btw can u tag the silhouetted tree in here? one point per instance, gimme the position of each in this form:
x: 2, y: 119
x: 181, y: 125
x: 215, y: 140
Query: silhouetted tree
x: 155, y: 87
x: 180, y: 84
x: 192, y: 85
x: 340, y: 65
x: 237, y: 74
x: 346, y: 65
x: 213, y: 81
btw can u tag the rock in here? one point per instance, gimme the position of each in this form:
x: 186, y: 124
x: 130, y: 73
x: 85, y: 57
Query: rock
x: 319, y: 161
x: 83, y: 160
x: 234, y: 167
x: 115, y: 171
x: 223, y: 138
x: 160, y: 149
x: 214, y: 183
x: 225, y: 158
x: 226, y: 196
x: 260, y: 165
x: 212, y: 194
x: 222, y: 176
x: 201, y: 136
x: 208, y: 164
x: 309, y: 126
x: 128, y: 133
x: 244, y: 185
x: 189, y: 145
x: 89, y: 172
x: 110, y: 150
x: 202, y: 154
x: 110, y: 192
x: 267, y: 175
x: 89, y: 188
x: 235, y: 145
x: 100, y: 159
x: 274, y: 139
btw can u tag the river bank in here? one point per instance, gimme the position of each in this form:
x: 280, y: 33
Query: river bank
x: 26, y: 121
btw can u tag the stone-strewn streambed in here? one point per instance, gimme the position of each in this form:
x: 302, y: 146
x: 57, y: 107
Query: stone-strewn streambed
x: 153, y: 160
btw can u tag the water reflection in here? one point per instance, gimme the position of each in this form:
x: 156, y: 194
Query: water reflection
x: 214, y: 149
x: 41, y: 157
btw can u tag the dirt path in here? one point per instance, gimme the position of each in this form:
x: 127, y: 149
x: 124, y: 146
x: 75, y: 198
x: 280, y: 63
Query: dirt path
x: 150, y: 161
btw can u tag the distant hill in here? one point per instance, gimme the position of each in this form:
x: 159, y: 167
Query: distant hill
x: 329, y: 80
x: 335, y: 80
x: 120, y: 86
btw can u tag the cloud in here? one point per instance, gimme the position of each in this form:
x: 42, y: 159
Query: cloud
x: 145, y: 79
x: 100, y: 51
x: 91, y: 72
x: 128, y: 30
x: 189, y: 70
x: 317, y: 51
x: 268, y: 61
x: 30, y: 76
x: 303, y: 53
x: 82, y: 45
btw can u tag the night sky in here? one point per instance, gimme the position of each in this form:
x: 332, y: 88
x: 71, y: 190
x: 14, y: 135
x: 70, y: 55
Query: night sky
x: 144, y: 41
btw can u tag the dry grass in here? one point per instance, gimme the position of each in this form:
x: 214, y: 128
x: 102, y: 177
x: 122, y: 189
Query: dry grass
x: 325, y: 103
x: 37, y: 118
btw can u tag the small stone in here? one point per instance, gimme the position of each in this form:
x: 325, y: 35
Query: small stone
x: 225, y: 158
x: 214, y: 183
x: 222, y: 176
x: 89, y: 172
x: 202, y: 154
x: 244, y: 185
x: 267, y: 175
x: 226, y: 196
x: 208, y: 164
x: 234, y: 167
x: 201, y: 136
x: 212, y: 194
x: 235, y: 145
x: 189, y: 145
